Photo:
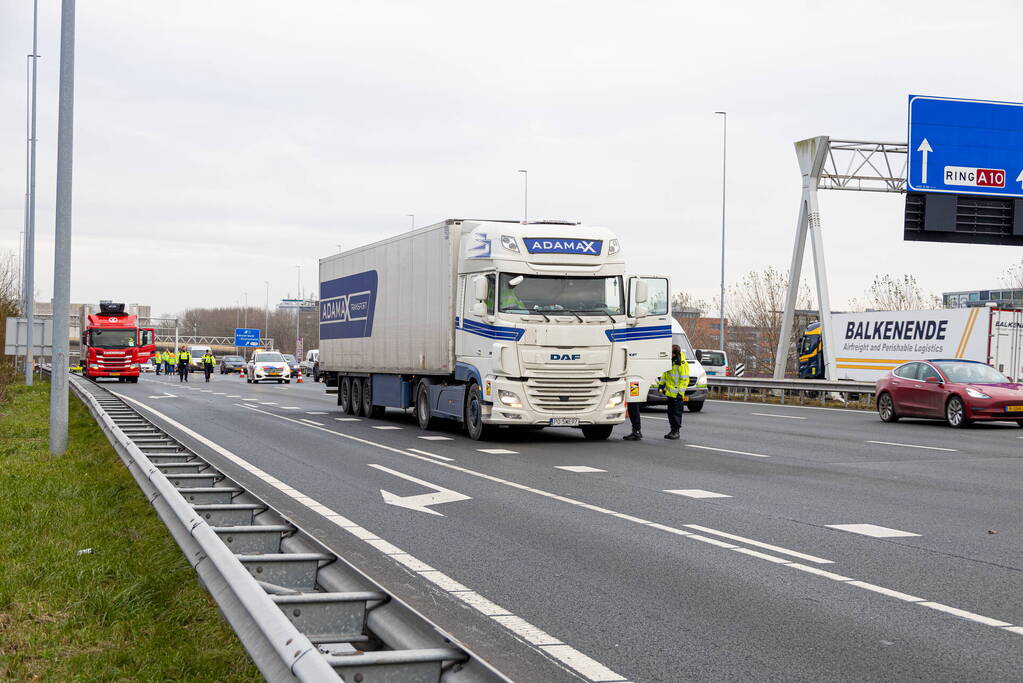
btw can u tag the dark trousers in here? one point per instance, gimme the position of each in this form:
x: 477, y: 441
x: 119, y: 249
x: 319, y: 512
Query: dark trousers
x: 157, y: 364
x: 675, y: 413
x: 208, y: 369
x: 637, y: 424
x: 183, y: 371
x: 167, y: 367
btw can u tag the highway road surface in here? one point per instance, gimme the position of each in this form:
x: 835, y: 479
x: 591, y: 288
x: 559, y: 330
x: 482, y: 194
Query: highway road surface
x: 772, y: 542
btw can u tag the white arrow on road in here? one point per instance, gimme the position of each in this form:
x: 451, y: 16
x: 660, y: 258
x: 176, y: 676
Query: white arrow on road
x: 924, y: 149
x: 421, y: 502
x: 165, y: 395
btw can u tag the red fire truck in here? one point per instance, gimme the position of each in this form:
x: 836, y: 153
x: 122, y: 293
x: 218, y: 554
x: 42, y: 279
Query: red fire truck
x: 113, y: 345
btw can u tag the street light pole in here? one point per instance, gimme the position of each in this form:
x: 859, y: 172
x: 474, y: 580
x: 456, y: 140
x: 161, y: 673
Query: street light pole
x: 413, y: 217
x: 266, y: 312
x: 724, y: 161
x: 525, y: 195
x: 30, y: 205
x: 62, y: 233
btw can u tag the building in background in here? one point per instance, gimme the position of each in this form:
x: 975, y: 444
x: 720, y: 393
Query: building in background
x: 1003, y: 298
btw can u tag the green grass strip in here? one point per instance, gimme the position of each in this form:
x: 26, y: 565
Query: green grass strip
x: 132, y: 609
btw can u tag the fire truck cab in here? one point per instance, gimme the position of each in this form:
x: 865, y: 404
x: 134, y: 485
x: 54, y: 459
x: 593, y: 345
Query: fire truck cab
x: 113, y: 345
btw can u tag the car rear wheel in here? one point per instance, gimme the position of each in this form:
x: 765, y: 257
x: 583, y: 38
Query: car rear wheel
x: 357, y: 397
x: 955, y: 413
x: 886, y: 408
x: 344, y: 395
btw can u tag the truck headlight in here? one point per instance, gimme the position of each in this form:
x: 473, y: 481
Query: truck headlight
x: 134, y: 365
x: 509, y: 243
x: 94, y: 366
x: 509, y: 398
x: 616, y: 399
x: 613, y: 248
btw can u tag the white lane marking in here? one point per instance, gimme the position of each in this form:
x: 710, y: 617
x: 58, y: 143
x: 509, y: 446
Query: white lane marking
x: 787, y: 417
x: 165, y: 395
x: 348, y: 419
x: 432, y: 455
x: 423, y: 501
x: 312, y: 422
x: 290, y: 408
x: 496, y: 451
x: 443, y: 580
x: 1015, y: 629
x: 233, y: 396
x: 250, y: 399
x: 206, y: 391
x: 886, y: 591
x: 267, y: 403
x: 726, y: 450
x: 315, y: 412
x: 577, y: 468
x: 872, y: 530
x: 436, y: 438
x: 386, y: 427
x: 567, y: 655
x: 760, y: 544
x: 696, y: 493
x: 910, y: 445
x: 980, y: 619
x: 413, y: 562
x: 476, y: 600
x: 219, y: 393
x: 762, y: 556
x: 787, y: 405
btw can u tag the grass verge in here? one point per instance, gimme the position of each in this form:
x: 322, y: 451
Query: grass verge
x: 132, y: 609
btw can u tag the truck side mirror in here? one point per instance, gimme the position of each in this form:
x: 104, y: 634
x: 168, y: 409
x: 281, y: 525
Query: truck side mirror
x: 642, y: 294
x: 479, y: 288
x: 479, y: 308
x: 642, y: 310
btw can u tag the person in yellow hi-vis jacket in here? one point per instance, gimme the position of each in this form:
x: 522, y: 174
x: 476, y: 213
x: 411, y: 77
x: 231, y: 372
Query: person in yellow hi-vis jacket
x: 673, y: 383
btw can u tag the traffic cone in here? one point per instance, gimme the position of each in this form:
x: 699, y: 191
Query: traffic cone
x: 242, y: 372
x: 299, y: 380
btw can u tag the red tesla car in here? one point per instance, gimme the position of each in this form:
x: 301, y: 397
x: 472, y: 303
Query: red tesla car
x: 957, y: 391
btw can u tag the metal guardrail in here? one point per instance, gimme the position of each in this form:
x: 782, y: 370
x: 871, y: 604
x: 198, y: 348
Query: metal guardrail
x: 299, y: 610
x: 802, y: 389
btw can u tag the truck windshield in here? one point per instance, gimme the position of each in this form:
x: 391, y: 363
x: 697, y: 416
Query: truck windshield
x: 113, y: 339
x: 553, y: 294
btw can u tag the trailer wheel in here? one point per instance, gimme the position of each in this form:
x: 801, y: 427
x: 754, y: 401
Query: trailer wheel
x: 357, y: 398
x: 424, y: 416
x: 473, y: 415
x: 344, y: 395
x: 368, y: 409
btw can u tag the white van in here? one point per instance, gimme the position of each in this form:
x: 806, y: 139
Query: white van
x: 197, y: 352
x: 715, y: 361
x: 311, y: 364
x: 696, y: 392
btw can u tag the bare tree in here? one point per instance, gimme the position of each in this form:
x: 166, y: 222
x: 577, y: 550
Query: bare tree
x: 754, y: 307
x: 681, y: 301
x: 9, y: 306
x: 901, y: 293
x: 1012, y: 276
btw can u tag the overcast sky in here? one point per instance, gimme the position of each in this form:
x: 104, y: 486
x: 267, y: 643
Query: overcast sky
x: 220, y: 144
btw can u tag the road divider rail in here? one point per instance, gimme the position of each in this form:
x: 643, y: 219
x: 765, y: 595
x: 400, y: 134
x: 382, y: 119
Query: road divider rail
x: 300, y: 611
x: 801, y: 389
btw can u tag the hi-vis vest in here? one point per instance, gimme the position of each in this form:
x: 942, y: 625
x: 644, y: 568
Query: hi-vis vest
x: 207, y: 359
x: 184, y: 357
x: 675, y: 380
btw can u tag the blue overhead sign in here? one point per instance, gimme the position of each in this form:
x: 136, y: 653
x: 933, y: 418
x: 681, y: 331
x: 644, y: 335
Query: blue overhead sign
x: 245, y: 336
x: 965, y: 147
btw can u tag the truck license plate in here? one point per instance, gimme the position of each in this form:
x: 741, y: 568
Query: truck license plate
x: 115, y: 374
x: 1014, y: 409
x: 564, y: 422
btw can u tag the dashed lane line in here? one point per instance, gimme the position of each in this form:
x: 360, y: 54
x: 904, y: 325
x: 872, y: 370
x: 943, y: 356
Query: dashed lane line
x: 435, y: 438
x: 496, y: 451
x: 312, y: 422
x: 696, y: 493
x: 386, y: 427
x: 580, y: 469
x: 726, y: 450
x: 872, y: 530
x: 567, y: 655
x: 432, y: 455
x: 661, y: 527
x: 786, y: 417
x: 910, y: 445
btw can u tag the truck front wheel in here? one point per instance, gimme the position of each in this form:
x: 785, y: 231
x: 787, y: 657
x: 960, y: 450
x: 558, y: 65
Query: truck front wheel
x: 597, y: 432
x: 473, y: 415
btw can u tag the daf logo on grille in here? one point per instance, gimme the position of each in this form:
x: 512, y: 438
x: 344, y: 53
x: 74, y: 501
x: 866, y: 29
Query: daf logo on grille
x: 565, y: 356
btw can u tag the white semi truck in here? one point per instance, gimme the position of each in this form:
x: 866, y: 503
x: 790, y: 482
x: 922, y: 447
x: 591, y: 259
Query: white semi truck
x: 493, y: 323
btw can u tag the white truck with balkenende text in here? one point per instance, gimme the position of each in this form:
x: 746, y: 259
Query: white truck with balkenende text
x: 492, y: 323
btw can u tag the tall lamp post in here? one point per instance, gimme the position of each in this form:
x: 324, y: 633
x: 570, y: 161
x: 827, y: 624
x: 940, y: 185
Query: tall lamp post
x: 413, y: 217
x: 266, y: 310
x: 28, y: 271
x: 525, y: 195
x: 724, y: 161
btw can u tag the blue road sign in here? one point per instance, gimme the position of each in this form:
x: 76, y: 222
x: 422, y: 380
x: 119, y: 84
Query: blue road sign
x: 965, y: 146
x: 245, y: 336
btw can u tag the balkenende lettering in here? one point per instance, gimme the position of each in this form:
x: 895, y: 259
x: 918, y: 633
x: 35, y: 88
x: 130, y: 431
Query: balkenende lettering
x: 897, y: 330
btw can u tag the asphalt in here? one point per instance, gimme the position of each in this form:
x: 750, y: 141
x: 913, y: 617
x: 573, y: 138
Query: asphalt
x: 597, y: 560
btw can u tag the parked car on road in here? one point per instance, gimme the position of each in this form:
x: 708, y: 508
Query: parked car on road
x: 715, y: 362
x: 229, y: 364
x: 955, y: 390
x: 268, y: 366
x: 293, y: 365
x: 148, y: 366
x: 311, y: 364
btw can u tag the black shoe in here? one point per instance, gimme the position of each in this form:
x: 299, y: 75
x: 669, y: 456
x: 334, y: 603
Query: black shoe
x: 672, y: 435
x: 635, y: 436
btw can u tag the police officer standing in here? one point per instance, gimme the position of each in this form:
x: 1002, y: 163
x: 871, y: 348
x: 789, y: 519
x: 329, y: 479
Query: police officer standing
x: 183, y: 358
x: 207, y: 364
x: 673, y: 383
x: 157, y: 361
x: 171, y: 361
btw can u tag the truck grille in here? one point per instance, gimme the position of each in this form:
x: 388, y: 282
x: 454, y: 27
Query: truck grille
x: 564, y: 394
x: 110, y: 364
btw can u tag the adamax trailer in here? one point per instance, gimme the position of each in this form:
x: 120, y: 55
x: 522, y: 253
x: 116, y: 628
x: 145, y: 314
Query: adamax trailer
x: 492, y: 323
x: 872, y: 343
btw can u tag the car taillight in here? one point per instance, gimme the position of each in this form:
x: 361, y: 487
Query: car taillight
x: 728, y: 371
